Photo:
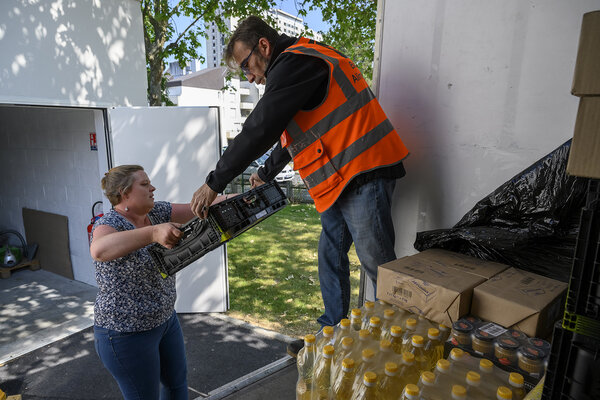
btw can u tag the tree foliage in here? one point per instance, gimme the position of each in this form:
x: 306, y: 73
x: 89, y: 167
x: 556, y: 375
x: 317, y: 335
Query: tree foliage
x: 352, y: 31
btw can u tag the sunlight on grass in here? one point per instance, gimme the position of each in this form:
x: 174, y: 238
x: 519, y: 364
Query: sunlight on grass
x: 273, y: 279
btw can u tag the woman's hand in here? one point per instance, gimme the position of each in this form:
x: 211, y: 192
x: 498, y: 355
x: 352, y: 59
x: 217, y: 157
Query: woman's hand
x: 167, y: 234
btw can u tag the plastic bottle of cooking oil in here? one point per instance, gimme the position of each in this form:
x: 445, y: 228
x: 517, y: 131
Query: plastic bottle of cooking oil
x: 408, y: 370
x: 410, y: 392
x: 324, y: 338
x: 305, y: 362
x: 434, y: 348
x: 443, y: 376
x: 367, y: 390
x: 389, y: 318
x: 474, y: 386
x: 366, y: 364
x: 368, y: 310
x: 396, y: 339
x: 341, y: 389
x: 461, y: 363
x: 365, y: 341
x: 383, y: 355
x: 515, y: 383
x: 410, y: 326
x: 391, y: 384
x: 375, y: 328
x: 322, y: 374
x: 342, y: 352
x: 444, y: 332
x: 504, y: 393
x: 342, y: 330
x: 418, y: 349
x: 458, y: 392
x: 356, y: 319
x: 428, y: 387
x: 490, y: 381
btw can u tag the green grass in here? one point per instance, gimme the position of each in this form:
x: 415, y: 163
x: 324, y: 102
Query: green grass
x: 273, y: 279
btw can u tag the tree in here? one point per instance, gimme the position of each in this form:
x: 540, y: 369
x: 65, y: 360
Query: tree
x: 352, y: 31
x: 163, y: 41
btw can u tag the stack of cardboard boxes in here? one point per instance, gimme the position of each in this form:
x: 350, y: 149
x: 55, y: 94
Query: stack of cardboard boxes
x: 443, y: 286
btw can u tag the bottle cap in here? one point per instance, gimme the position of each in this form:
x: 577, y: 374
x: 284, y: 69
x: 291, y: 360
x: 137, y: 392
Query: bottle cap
x: 408, y: 357
x: 367, y: 354
x: 462, y: 326
x: 328, y: 351
x: 459, y: 391
x: 417, y: 340
x: 443, y: 328
x: 473, y: 378
x: 504, y: 393
x: 411, y: 323
x: 486, y: 365
x: 433, y: 333
x: 328, y: 331
x: 428, y: 377
x: 348, y: 363
x: 389, y: 313
x: 396, y: 331
x: 456, y: 353
x: 516, y: 379
x: 347, y: 341
x: 391, y: 367
x: 309, y: 339
x: 384, y: 345
x: 356, y: 312
x: 443, y: 365
x: 345, y: 323
x: 375, y: 321
x: 370, y: 377
x: 532, y: 353
x: 484, y: 336
x: 364, y: 334
x: 507, y: 343
x: 369, y: 305
x: 411, y: 389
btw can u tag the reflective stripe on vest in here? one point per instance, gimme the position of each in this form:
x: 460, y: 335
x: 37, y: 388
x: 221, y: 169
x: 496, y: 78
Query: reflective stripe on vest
x: 347, y: 134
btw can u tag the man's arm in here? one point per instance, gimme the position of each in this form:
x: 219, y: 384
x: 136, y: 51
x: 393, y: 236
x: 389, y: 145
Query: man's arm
x: 274, y: 164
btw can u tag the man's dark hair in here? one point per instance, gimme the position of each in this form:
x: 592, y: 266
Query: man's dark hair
x: 249, y: 31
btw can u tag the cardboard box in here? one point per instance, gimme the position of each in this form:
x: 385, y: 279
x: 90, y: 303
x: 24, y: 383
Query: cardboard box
x: 585, y: 147
x: 521, y: 300
x: 425, y: 286
x: 586, y: 80
x: 444, y: 258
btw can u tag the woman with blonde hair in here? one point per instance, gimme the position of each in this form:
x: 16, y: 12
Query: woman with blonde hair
x: 136, y: 331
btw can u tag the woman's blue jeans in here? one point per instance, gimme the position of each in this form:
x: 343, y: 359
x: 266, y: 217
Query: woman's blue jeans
x: 146, y: 364
x: 361, y: 215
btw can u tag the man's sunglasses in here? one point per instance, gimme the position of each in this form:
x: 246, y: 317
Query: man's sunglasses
x: 244, y: 64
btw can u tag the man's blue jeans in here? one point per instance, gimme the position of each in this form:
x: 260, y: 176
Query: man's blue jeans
x: 148, y: 363
x: 361, y: 215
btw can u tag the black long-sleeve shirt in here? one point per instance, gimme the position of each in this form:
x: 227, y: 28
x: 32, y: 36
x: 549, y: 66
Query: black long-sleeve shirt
x: 296, y: 82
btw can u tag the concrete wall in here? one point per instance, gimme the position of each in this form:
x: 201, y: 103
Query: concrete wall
x: 479, y: 90
x: 72, y: 53
x: 47, y: 165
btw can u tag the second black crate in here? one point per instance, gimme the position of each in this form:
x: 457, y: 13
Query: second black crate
x: 573, y: 371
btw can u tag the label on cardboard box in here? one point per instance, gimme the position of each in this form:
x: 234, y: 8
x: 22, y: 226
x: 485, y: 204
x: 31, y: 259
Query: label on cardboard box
x: 437, y: 292
x: 444, y: 258
x: 586, y: 80
x: 520, y: 300
x: 585, y: 147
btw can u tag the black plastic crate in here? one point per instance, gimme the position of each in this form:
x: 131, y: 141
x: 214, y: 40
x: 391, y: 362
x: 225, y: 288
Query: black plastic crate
x: 582, y: 308
x: 225, y: 221
x: 573, y: 371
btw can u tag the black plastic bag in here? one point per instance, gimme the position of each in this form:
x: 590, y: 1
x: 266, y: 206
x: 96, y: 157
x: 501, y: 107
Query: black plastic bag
x: 530, y: 222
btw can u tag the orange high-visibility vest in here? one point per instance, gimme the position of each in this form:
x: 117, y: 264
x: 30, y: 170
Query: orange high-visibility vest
x: 346, y: 135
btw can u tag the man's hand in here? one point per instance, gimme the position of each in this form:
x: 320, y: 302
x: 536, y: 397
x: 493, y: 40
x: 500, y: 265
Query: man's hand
x: 201, y: 200
x: 255, y: 181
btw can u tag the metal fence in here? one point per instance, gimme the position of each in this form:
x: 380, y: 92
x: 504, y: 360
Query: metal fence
x: 294, y: 190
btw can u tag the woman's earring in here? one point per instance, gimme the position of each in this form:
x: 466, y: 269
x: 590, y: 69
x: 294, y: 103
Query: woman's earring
x: 126, y: 208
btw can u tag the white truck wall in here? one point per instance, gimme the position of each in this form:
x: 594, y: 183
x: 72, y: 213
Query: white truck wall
x: 47, y: 164
x: 486, y: 85
x: 77, y: 53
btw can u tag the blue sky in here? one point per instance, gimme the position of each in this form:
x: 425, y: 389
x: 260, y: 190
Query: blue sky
x: 314, y: 19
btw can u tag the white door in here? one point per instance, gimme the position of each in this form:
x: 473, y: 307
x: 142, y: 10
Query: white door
x: 178, y: 147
